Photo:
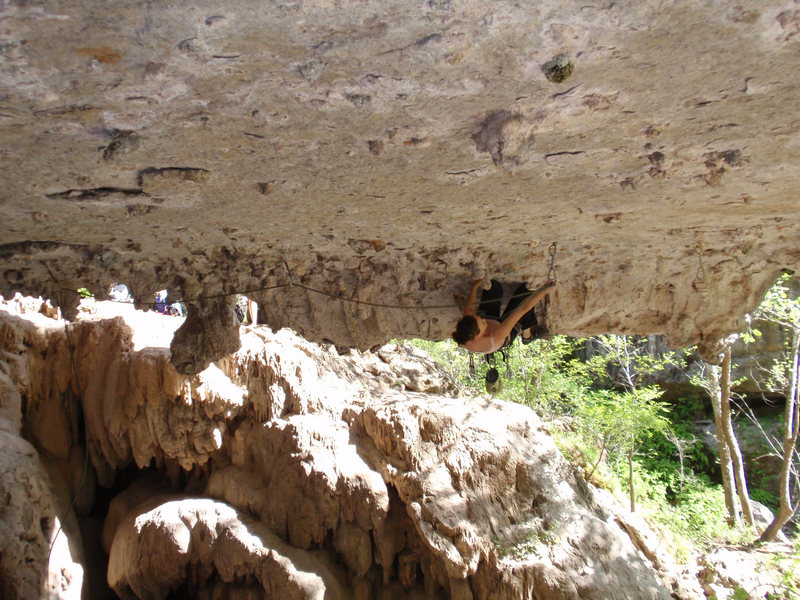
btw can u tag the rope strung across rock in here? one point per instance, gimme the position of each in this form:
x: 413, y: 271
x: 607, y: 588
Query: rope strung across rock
x: 551, y: 276
x: 292, y: 284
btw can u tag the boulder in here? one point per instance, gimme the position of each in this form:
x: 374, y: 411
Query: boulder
x: 41, y: 553
x: 729, y: 573
x: 194, y: 544
x: 312, y: 472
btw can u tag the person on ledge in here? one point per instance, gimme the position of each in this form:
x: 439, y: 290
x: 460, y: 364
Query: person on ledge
x: 483, y: 329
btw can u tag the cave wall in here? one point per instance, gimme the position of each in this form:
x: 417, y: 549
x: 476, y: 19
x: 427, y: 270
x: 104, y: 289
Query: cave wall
x: 390, y: 154
x: 289, y: 471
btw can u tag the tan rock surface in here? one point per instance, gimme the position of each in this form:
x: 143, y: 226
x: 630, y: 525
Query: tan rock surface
x: 41, y: 545
x: 169, y: 542
x: 313, y: 459
x: 726, y: 571
x: 391, y: 153
x: 41, y: 553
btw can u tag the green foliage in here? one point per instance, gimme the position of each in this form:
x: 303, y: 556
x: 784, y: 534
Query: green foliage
x: 545, y: 376
x: 603, y: 407
x: 740, y: 594
x: 696, y: 456
x: 781, y: 308
x: 787, y: 567
x: 540, y: 375
x: 618, y: 421
x: 779, y: 305
x: 765, y: 497
x: 627, y: 362
x: 85, y: 293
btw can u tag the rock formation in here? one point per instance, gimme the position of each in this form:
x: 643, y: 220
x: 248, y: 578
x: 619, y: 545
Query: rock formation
x: 387, y: 155
x: 37, y: 558
x: 351, y: 167
x: 290, y: 471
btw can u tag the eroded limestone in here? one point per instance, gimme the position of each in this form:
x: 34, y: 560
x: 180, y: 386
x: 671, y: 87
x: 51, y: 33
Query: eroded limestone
x: 309, y: 460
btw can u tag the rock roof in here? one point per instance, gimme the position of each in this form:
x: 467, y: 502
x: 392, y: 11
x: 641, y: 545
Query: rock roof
x: 392, y: 153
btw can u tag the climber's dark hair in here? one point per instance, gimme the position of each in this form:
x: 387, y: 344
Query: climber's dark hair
x: 466, y: 329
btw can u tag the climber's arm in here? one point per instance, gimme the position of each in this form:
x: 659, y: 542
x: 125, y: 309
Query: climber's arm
x: 471, y: 306
x: 508, y: 323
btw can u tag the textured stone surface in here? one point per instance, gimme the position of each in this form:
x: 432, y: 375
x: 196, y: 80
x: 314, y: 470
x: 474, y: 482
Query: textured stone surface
x: 170, y: 542
x: 41, y: 556
x: 210, y: 332
x: 391, y: 153
x: 41, y: 545
x: 304, y: 460
x: 726, y: 571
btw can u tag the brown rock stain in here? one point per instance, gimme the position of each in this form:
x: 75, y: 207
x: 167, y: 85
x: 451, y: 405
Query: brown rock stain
x: 103, y: 54
x: 609, y: 217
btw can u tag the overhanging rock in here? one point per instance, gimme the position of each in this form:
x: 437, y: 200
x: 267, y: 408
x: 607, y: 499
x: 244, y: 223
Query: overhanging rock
x: 390, y: 154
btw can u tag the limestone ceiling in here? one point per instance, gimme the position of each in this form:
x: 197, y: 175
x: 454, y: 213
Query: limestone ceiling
x: 391, y: 152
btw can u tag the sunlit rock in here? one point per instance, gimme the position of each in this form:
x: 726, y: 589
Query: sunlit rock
x: 290, y: 469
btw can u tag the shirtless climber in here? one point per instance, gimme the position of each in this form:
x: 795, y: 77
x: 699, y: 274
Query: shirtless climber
x: 482, y: 328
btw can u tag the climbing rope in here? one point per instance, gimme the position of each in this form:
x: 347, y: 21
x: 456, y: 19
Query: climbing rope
x: 551, y: 274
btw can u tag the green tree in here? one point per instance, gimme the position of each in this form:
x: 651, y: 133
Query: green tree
x: 781, y: 308
x: 715, y: 380
x: 552, y: 386
x: 628, y: 361
x: 625, y: 416
x: 620, y: 421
